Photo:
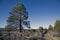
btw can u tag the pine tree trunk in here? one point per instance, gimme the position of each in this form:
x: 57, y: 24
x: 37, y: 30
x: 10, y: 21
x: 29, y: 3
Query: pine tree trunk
x: 20, y: 24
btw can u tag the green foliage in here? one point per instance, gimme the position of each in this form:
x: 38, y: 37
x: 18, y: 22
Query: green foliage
x: 11, y: 19
x: 17, y: 16
x: 57, y: 26
x: 19, y: 8
x: 9, y: 28
x: 50, y: 28
x: 41, y: 29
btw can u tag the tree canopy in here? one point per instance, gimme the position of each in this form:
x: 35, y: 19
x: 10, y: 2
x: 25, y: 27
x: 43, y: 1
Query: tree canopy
x: 57, y: 26
x: 18, y: 17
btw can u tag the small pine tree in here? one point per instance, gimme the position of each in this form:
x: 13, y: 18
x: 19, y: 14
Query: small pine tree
x: 41, y: 29
x: 50, y: 28
x: 57, y: 26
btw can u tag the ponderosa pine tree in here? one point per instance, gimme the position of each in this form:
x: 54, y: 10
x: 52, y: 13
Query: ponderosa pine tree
x: 18, y: 17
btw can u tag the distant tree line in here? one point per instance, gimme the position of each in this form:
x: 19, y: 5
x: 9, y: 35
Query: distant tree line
x: 56, y: 27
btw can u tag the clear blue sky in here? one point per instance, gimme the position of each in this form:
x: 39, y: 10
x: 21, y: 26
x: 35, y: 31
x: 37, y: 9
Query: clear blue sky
x: 41, y: 12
